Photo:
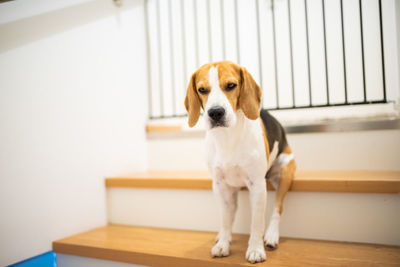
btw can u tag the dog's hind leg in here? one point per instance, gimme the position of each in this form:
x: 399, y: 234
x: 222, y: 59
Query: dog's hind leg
x: 271, y: 237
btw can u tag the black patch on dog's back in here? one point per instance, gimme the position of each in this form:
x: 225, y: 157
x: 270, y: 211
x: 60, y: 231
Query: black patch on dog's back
x: 274, y: 130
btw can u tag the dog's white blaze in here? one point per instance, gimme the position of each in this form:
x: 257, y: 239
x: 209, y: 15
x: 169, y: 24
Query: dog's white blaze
x: 213, y: 77
x: 218, y: 99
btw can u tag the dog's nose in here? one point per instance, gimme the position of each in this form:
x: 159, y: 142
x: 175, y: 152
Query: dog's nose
x: 216, y: 113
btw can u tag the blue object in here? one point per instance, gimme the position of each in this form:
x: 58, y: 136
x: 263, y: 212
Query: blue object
x: 47, y: 259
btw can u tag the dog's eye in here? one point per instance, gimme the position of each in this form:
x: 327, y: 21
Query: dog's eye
x: 230, y: 86
x: 203, y: 91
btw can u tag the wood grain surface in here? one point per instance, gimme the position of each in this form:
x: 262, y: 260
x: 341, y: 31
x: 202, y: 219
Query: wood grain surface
x: 305, y: 181
x: 167, y: 247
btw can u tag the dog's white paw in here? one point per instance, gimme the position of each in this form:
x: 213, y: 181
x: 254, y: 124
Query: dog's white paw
x: 271, y: 238
x: 221, y: 249
x: 256, y: 254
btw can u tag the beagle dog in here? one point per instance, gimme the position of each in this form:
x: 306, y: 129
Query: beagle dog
x: 245, y: 148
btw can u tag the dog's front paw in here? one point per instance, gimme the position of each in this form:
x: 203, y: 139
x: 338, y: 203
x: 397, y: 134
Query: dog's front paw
x: 256, y: 254
x: 221, y: 249
x: 271, y: 238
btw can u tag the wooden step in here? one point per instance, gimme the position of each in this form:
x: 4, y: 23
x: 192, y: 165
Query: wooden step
x: 166, y: 247
x: 305, y: 181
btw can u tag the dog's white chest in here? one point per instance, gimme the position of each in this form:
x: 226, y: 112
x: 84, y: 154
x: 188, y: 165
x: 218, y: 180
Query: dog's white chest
x: 237, y: 158
x: 232, y: 175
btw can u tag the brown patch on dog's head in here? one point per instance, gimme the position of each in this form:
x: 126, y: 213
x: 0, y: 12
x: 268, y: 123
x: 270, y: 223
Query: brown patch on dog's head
x: 250, y: 95
x: 235, y: 82
x: 192, y: 101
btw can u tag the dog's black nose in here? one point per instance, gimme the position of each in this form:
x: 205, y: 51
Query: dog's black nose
x: 216, y: 113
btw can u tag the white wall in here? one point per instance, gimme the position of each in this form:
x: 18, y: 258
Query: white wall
x: 72, y: 111
x: 396, y: 10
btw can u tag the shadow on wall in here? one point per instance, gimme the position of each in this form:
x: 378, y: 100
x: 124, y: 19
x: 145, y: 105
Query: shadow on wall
x: 21, y: 32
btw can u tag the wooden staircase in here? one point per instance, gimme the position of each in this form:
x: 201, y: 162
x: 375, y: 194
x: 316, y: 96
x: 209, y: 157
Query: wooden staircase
x: 167, y: 247
x: 157, y: 246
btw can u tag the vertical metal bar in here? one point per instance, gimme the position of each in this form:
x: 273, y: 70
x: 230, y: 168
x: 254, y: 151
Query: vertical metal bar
x: 275, y: 54
x: 210, y: 53
x: 291, y: 53
x: 172, y: 57
x: 196, y: 31
x: 223, y: 28
x: 362, y: 50
x: 147, y: 36
x: 259, y: 44
x: 237, y: 31
x: 382, y: 52
x: 326, y: 53
x: 160, y: 75
x: 344, y: 53
x: 184, y: 63
x: 308, y: 53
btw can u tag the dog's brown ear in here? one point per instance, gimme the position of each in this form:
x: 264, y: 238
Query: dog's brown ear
x: 192, y: 102
x: 250, y: 95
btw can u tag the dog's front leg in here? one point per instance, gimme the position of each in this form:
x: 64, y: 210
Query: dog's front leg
x: 227, y: 197
x: 258, y: 200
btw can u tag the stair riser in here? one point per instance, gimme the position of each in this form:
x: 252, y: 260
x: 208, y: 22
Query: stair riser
x: 370, y: 218
x: 64, y: 260
x: 364, y: 150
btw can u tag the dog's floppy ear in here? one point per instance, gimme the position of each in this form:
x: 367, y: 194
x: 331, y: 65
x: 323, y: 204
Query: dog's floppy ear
x: 250, y: 95
x: 192, y: 102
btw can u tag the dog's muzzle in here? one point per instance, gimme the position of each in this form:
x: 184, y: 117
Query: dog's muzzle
x: 217, y: 116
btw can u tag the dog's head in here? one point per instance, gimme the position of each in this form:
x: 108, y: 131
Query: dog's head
x: 221, y: 89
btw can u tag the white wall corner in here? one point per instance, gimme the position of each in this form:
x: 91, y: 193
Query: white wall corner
x: 397, y: 17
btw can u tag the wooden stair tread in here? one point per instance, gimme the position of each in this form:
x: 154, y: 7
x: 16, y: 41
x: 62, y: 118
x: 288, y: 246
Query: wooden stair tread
x: 306, y: 181
x: 168, y: 247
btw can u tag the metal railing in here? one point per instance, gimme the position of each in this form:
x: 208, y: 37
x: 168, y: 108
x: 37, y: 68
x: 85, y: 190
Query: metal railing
x: 176, y: 16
